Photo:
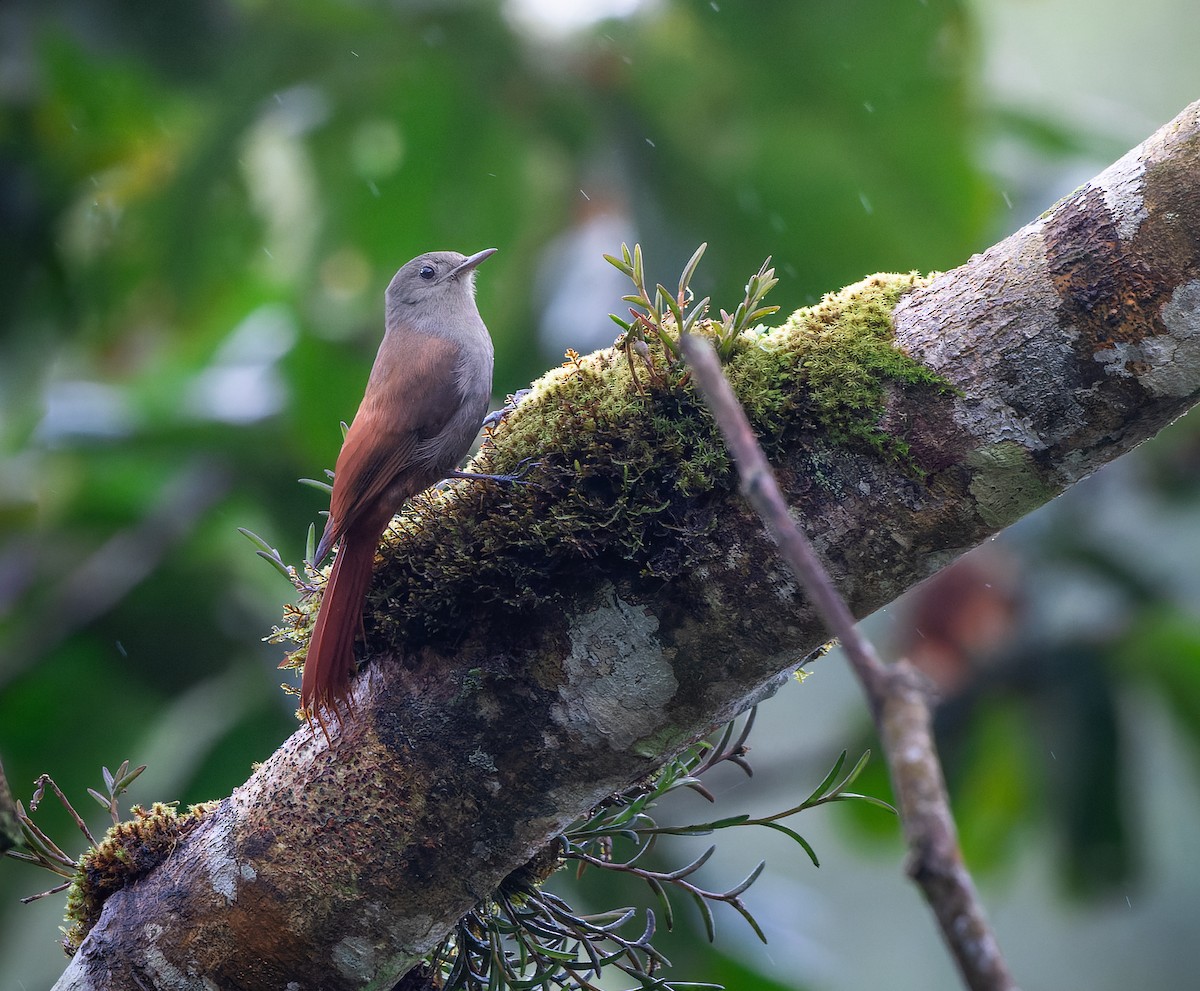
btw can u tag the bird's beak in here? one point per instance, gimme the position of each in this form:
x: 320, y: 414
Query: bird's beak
x: 469, y: 263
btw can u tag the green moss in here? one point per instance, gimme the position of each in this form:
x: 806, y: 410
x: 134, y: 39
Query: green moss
x: 632, y: 474
x: 129, y: 850
x: 829, y: 365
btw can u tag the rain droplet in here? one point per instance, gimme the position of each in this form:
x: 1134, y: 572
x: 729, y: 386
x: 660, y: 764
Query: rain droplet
x: 651, y: 143
x: 866, y: 203
x: 1007, y: 198
x: 585, y: 196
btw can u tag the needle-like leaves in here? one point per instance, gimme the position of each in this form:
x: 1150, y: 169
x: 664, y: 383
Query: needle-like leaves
x: 528, y: 938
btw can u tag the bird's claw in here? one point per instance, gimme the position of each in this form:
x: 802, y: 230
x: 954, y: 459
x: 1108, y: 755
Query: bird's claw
x: 518, y: 477
x: 496, y: 417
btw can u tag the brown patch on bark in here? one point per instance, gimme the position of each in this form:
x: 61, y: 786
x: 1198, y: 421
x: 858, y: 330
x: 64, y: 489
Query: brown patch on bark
x: 1108, y: 295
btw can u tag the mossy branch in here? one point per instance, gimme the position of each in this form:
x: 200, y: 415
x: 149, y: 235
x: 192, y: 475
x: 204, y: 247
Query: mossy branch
x: 532, y: 650
x: 897, y: 696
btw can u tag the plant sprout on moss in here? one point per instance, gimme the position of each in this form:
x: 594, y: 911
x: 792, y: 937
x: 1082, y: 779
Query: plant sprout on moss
x: 665, y: 303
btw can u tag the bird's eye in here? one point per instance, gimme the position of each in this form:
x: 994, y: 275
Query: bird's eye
x: 427, y: 272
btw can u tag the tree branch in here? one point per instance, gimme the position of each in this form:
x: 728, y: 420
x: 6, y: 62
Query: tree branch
x: 520, y: 672
x: 897, y: 696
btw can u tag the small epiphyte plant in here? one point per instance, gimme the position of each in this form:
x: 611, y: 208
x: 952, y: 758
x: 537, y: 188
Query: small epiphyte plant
x: 128, y: 850
x: 41, y: 851
x: 527, y: 937
x: 272, y: 556
x: 663, y: 316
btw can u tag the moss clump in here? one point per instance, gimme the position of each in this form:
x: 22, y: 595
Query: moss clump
x: 632, y: 472
x: 129, y: 850
x: 827, y: 368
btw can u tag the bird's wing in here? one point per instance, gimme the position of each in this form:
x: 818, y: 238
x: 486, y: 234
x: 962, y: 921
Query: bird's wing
x: 406, y: 402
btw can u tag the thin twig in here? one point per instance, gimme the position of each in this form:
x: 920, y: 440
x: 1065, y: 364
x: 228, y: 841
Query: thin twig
x: 44, y: 780
x: 898, y: 699
x: 762, y: 491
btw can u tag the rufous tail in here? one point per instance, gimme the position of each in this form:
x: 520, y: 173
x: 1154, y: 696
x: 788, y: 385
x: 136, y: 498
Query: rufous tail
x: 330, y: 661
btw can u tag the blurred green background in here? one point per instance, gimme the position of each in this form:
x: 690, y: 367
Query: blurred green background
x: 200, y: 206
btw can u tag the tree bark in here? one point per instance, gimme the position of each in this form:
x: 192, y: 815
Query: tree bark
x: 338, y: 867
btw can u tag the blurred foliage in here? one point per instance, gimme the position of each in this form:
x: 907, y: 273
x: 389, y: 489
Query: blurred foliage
x: 201, y: 206
x: 1037, y: 647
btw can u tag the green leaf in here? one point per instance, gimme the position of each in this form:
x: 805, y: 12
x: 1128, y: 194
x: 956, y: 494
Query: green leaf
x: 697, y: 311
x: 805, y: 845
x: 685, y: 279
x: 667, y: 300
x: 764, y: 311
x: 745, y: 913
x: 691, y: 868
x: 852, y: 796
x: 749, y: 880
x: 827, y: 782
x: 710, y: 927
x: 664, y: 901
x: 854, y: 772
x: 275, y: 562
x: 622, y: 265
x: 255, y: 539
x: 127, y: 777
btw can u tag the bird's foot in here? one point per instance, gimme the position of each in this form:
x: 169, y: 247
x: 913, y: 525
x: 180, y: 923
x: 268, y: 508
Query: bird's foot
x: 516, y: 478
x: 496, y: 417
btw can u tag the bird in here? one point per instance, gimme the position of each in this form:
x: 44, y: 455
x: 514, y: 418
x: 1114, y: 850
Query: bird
x: 424, y: 402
